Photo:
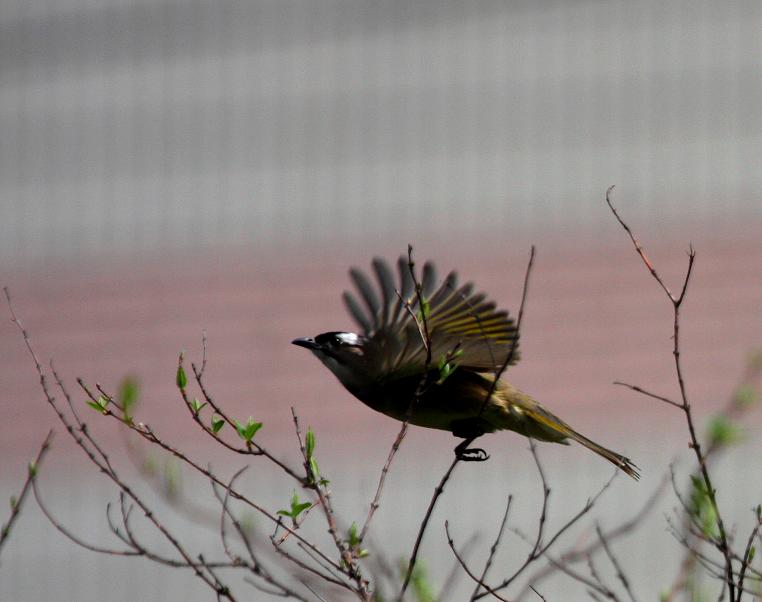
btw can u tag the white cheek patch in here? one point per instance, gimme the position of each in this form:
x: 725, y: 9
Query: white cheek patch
x: 349, y: 338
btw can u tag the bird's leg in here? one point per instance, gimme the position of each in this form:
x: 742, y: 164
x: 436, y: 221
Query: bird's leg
x: 466, y: 454
x: 468, y: 430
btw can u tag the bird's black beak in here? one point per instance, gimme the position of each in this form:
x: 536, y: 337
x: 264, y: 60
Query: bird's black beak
x: 306, y: 342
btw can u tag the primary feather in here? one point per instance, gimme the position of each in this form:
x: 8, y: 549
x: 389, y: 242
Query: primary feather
x: 456, y: 318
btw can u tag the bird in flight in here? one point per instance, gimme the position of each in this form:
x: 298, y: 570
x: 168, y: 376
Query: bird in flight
x: 433, y: 355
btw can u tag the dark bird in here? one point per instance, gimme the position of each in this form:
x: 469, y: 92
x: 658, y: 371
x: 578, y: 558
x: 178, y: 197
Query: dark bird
x: 432, y: 355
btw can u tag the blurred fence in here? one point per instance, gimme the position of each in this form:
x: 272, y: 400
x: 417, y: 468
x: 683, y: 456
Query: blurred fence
x: 152, y: 125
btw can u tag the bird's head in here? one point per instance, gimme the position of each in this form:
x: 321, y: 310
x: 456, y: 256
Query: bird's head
x: 343, y: 353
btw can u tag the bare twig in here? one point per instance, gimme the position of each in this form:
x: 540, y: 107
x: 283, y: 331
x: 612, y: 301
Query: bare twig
x: 479, y: 580
x: 602, y: 587
x: 18, y: 502
x: 748, y: 554
x: 515, y: 341
x: 203, y: 353
x: 722, y: 544
x: 493, y: 549
x: 649, y: 394
x: 313, y: 481
x: 615, y: 563
x: 382, y: 480
x: 429, y: 511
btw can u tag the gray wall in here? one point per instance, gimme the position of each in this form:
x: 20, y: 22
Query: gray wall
x: 145, y: 126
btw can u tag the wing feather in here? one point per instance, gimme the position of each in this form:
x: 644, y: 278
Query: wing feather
x: 365, y: 288
x: 457, y: 318
x: 356, y: 311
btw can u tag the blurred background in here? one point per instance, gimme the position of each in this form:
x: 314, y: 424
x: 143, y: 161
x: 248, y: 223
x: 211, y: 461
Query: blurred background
x: 169, y: 167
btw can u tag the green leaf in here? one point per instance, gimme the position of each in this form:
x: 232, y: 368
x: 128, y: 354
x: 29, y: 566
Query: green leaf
x: 701, y: 507
x: 197, y: 406
x: 750, y: 557
x: 314, y: 468
x: 181, y: 379
x: 420, y: 582
x: 746, y: 395
x: 722, y: 431
x: 172, y: 479
x: 33, y: 469
x: 248, y: 522
x: 309, y: 443
x: 248, y: 430
x: 353, y: 537
x: 425, y: 310
x: 297, y: 507
x: 14, y: 501
x: 129, y: 390
x: 217, y: 424
x: 149, y: 466
x: 447, y: 364
x: 99, y: 405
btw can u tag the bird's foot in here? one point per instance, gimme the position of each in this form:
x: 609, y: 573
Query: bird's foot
x: 470, y: 454
x: 474, y: 454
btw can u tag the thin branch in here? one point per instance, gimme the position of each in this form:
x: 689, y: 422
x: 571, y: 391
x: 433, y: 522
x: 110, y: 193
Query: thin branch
x: 615, y: 563
x: 18, y: 502
x: 448, y: 584
x: 515, y: 340
x: 382, y: 480
x: 723, y: 545
x: 303, y: 565
x: 538, y: 593
x: 590, y: 583
x: 748, y: 554
x: 602, y: 587
x: 635, y: 242
x: 649, y: 394
x: 479, y: 581
x: 350, y: 566
x: 419, y: 538
x: 203, y: 353
x: 493, y: 549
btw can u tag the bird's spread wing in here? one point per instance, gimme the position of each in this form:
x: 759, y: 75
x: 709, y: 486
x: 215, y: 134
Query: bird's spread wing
x: 463, y: 325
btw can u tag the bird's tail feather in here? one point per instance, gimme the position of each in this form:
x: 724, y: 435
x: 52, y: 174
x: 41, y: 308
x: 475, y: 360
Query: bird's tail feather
x: 550, y: 421
x: 616, y: 459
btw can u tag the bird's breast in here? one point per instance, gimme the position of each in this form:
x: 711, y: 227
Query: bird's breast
x: 431, y: 403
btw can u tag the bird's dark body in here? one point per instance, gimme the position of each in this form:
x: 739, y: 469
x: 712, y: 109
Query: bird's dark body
x: 457, y: 404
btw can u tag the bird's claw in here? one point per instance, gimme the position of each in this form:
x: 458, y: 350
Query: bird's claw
x: 474, y: 454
